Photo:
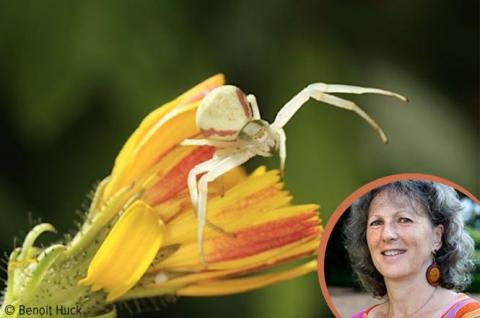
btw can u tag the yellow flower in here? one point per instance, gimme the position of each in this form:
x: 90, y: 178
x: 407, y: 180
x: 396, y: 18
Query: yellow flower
x: 152, y: 248
x: 139, y: 235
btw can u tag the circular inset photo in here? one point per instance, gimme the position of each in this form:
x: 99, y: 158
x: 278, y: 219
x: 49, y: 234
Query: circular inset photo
x: 403, y: 246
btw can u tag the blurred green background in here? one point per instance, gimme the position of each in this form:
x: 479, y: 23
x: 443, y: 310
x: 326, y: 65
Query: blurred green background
x: 78, y: 76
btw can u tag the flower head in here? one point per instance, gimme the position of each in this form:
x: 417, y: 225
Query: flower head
x: 139, y: 237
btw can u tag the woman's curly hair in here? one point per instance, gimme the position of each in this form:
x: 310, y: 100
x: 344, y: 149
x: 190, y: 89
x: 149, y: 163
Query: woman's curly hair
x: 442, y: 206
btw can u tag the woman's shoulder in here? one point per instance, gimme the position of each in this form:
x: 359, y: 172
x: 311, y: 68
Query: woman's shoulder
x: 464, y: 306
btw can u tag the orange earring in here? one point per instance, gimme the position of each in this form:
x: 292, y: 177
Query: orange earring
x: 434, y: 273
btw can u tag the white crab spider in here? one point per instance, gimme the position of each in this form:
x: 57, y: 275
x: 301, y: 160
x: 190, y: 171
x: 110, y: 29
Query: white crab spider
x: 230, y: 121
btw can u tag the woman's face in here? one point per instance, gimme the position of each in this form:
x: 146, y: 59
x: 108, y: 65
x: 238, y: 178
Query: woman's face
x: 400, y: 236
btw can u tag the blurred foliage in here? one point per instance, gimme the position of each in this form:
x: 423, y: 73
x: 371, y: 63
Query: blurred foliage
x: 472, y: 221
x: 475, y: 286
x: 472, y: 214
x: 475, y: 234
x: 78, y: 76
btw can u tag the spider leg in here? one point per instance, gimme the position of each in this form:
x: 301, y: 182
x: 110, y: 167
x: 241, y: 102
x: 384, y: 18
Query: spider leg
x: 192, y: 177
x: 208, y: 142
x: 348, y: 105
x: 205, y: 166
x: 226, y: 164
x: 192, y: 186
x: 317, y: 91
x: 253, y: 103
x: 290, y: 108
x: 335, y: 88
x: 282, y: 140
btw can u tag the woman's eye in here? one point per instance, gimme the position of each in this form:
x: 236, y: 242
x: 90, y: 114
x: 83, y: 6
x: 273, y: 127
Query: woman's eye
x: 405, y: 220
x: 375, y: 223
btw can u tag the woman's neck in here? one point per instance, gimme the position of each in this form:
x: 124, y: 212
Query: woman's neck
x: 409, y: 297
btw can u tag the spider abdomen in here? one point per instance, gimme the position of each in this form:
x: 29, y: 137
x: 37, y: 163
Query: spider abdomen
x: 223, y: 112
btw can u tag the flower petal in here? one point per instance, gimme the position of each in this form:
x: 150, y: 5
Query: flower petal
x: 171, y: 208
x: 259, y: 226
x: 239, y: 207
x: 267, y: 236
x: 270, y: 243
x: 127, y: 251
x: 232, y: 286
x: 173, y: 180
x: 160, y: 283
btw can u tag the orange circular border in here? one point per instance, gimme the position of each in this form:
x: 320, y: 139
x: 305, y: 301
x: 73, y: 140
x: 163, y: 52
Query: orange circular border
x: 349, y: 201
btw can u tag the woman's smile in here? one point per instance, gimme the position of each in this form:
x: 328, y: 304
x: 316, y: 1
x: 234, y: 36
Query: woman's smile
x: 393, y: 252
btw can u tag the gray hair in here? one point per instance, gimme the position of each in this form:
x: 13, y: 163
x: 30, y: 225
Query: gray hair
x: 441, y: 204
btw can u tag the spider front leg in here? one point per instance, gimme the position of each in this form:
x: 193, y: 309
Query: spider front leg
x: 319, y: 92
x: 348, y: 105
x: 224, y: 165
x: 192, y: 184
x: 208, y: 142
x: 205, y: 166
x: 282, y: 150
x: 192, y: 178
x: 349, y: 89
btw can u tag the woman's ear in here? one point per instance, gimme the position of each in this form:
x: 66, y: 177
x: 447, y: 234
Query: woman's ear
x: 438, y: 234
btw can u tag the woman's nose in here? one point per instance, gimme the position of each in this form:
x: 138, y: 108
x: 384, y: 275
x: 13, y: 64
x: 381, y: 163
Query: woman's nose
x: 389, y: 232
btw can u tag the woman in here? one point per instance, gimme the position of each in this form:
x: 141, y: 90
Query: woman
x: 407, y: 244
